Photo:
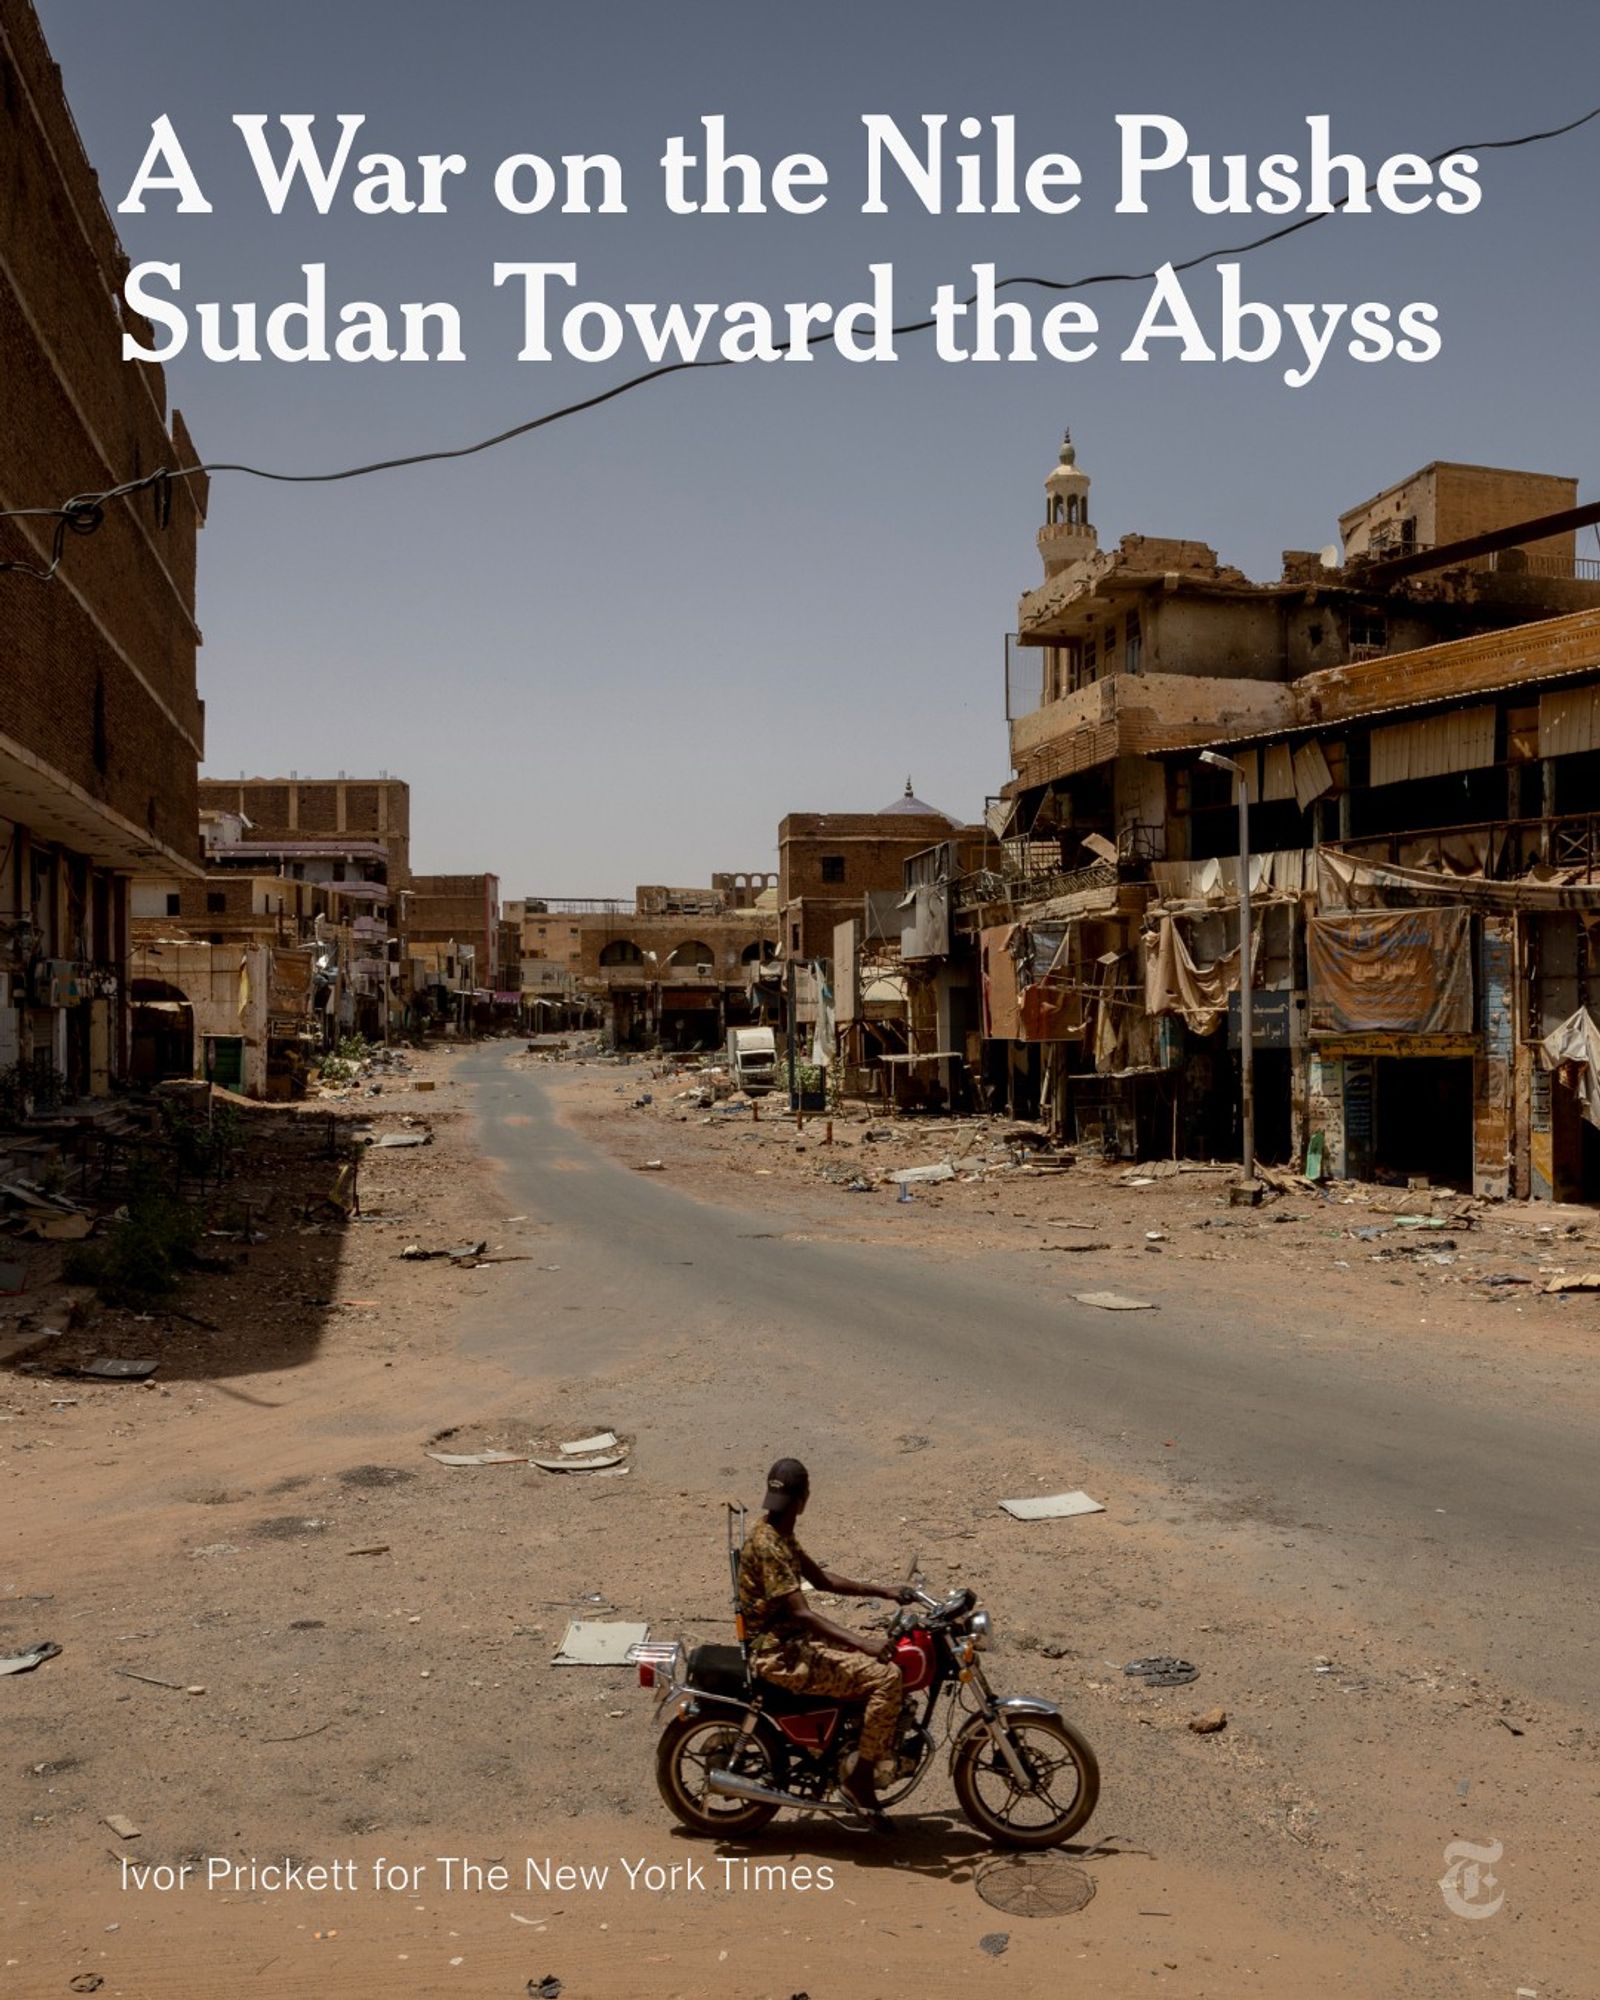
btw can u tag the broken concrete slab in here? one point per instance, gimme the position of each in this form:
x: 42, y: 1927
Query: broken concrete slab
x: 479, y: 1457
x: 600, y: 1462
x: 405, y: 1139
x: 1052, y: 1506
x: 940, y: 1171
x: 108, y: 1368
x: 1113, y: 1302
x: 34, y: 1656
x: 590, y: 1642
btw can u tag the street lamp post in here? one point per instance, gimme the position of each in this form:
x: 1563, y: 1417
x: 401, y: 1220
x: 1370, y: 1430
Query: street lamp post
x: 1246, y: 1024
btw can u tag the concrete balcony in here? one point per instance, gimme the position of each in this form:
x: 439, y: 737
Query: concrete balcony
x: 1130, y: 715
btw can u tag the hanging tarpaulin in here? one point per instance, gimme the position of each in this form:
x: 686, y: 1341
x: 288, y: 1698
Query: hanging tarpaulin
x: 1110, y: 1016
x: 1574, y: 1049
x: 1175, y: 984
x: 1344, y: 881
x: 1049, y: 1007
x: 1401, y: 971
x: 824, y: 1041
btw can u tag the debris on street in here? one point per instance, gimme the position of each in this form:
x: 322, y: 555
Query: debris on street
x: 590, y: 1642
x: 1162, y: 1670
x: 1052, y: 1507
x: 34, y: 1656
x: 479, y: 1457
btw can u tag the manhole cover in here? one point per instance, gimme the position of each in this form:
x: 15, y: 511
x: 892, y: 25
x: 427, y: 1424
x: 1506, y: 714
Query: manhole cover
x: 1163, y: 1671
x: 1034, y: 1885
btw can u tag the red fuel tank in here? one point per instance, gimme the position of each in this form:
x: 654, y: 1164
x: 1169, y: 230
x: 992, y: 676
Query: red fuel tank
x: 913, y: 1655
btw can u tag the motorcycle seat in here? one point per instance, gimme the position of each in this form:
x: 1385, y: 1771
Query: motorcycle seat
x: 720, y: 1670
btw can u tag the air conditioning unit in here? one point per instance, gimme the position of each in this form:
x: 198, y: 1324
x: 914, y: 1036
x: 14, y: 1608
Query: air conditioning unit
x: 704, y: 971
x: 55, y: 983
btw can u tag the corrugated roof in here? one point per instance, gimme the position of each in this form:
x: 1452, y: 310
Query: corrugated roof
x: 1534, y: 660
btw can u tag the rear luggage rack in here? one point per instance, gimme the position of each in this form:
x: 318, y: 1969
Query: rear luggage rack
x: 660, y: 1662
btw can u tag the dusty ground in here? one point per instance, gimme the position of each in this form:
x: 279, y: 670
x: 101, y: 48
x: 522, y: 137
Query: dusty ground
x: 368, y: 1635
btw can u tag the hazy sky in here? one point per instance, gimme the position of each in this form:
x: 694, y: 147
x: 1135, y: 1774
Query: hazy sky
x: 622, y: 649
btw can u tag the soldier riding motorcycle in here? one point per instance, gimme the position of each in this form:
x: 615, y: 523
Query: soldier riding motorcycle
x: 754, y: 1727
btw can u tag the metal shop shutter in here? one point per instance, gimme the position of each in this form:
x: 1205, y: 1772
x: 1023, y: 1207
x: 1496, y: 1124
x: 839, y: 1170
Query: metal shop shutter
x: 1569, y: 720
x: 1460, y: 741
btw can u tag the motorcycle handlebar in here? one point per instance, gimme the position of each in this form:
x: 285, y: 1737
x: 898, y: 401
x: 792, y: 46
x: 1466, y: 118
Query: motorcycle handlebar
x: 956, y: 1604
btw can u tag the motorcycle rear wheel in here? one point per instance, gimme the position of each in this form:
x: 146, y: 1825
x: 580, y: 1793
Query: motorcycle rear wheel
x: 694, y: 1746
x: 1057, y: 1757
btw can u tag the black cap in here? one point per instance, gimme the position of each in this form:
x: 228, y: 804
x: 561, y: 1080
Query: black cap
x: 787, y: 1482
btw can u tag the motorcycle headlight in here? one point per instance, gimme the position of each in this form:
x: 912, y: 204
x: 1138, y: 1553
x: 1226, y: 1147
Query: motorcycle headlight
x: 981, y: 1628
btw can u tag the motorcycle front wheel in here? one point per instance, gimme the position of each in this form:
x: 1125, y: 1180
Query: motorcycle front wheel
x: 1062, y: 1789
x: 692, y: 1748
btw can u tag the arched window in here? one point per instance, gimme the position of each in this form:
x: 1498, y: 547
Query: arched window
x: 621, y: 951
x: 758, y: 953
x: 691, y: 954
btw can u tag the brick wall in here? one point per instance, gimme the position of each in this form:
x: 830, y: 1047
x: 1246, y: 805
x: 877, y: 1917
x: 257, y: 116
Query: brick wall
x: 873, y: 847
x: 462, y: 908
x: 99, y: 666
x: 320, y: 808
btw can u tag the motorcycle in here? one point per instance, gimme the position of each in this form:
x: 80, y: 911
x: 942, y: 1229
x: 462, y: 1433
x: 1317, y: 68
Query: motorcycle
x: 735, y: 1750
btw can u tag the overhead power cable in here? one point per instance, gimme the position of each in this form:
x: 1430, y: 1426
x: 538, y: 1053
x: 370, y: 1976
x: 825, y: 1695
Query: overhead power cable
x: 85, y: 512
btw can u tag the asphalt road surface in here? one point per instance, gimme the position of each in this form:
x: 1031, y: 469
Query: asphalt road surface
x: 1465, y: 1509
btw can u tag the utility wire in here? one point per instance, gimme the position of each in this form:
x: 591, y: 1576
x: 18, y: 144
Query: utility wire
x: 84, y: 514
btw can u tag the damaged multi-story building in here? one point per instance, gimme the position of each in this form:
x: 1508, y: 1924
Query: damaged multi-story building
x: 454, y: 939
x: 1410, y: 719
x: 245, y: 976
x: 349, y: 839
x: 683, y: 965
x: 101, y: 725
x: 550, y: 946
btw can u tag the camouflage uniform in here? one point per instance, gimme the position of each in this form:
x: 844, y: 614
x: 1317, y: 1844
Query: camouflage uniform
x: 784, y: 1652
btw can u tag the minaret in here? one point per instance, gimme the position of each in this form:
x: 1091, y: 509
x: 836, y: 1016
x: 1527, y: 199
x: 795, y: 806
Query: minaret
x: 1066, y: 536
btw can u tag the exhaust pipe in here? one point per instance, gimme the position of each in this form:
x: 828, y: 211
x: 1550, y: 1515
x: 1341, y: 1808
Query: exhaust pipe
x: 733, y: 1787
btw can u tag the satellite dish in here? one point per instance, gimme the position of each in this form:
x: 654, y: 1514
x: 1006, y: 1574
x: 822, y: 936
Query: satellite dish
x: 1332, y: 557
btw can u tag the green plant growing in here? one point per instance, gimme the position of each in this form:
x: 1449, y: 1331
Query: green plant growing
x: 810, y: 1081
x: 138, y: 1263
x: 204, y: 1144
x: 341, y: 1063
